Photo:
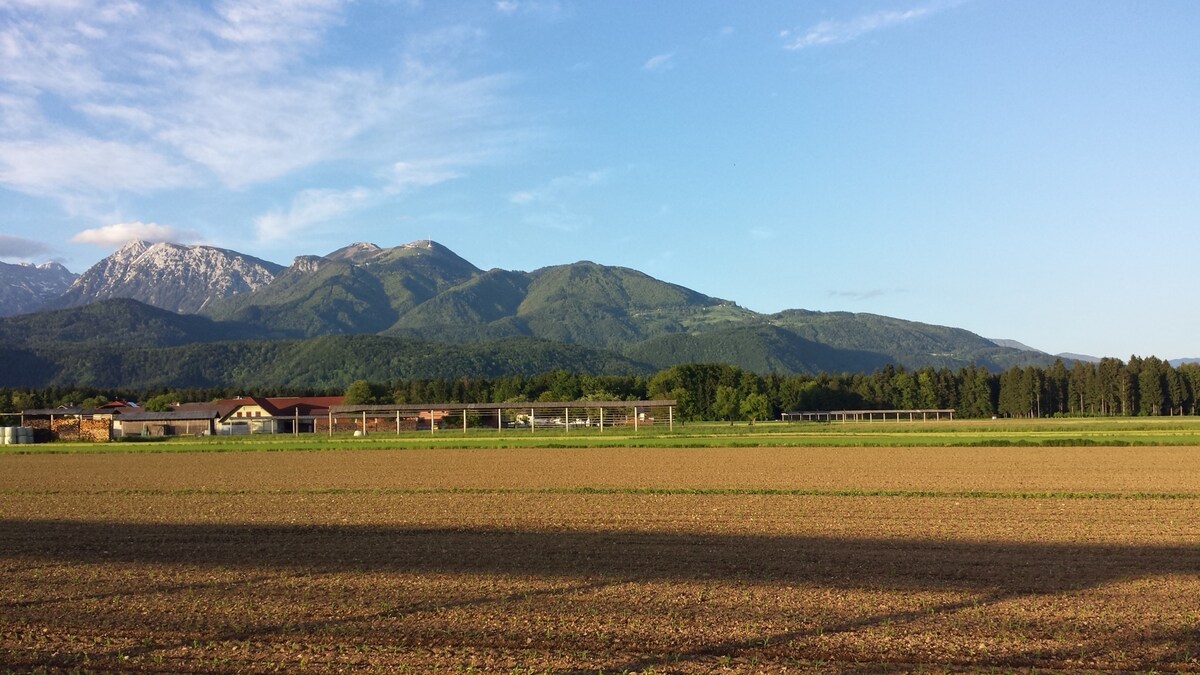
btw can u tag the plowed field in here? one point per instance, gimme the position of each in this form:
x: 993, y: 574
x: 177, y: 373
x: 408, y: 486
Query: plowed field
x: 561, y: 560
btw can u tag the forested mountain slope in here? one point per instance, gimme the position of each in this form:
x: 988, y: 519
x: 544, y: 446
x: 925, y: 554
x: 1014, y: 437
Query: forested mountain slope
x: 424, y: 291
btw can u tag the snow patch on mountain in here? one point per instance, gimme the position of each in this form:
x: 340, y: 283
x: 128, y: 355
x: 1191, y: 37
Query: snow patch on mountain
x: 25, y: 287
x: 170, y: 276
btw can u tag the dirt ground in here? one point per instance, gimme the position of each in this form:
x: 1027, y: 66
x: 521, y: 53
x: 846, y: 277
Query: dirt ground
x: 380, y: 561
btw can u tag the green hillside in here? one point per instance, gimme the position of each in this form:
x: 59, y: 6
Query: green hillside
x: 337, y: 297
x: 757, y: 348
x: 469, y: 308
x: 353, y: 290
x: 908, y: 343
x: 121, y: 323
x: 421, y: 310
x: 601, y: 306
x: 322, y: 362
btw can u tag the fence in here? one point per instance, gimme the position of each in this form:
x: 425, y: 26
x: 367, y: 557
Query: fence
x: 534, y: 416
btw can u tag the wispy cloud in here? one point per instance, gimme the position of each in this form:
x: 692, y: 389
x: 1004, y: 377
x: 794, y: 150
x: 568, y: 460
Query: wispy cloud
x: 156, y: 96
x: 120, y: 233
x: 67, y: 162
x: 313, y: 207
x: 543, y: 8
x: 554, y: 205
x: 860, y: 295
x: 309, y: 208
x: 423, y: 173
x: 659, y: 62
x: 561, y: 188
x: 836, y: 31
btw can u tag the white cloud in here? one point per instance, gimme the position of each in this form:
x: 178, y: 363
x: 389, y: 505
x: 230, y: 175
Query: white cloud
x: 660, y: 62
x: 44, y: 4
x: 423, y: 173
x: 310, y: 208
x: 120, y: 233
x: 561, y: 188
x: 130, y: 116
x: 554, y: 204
x: 549, y: 9
x: 445, y: 43
x: 870, y: 294
x: 171, y: 95
x: 18, y: 115
x: 68, y: 163
x: 247, y: 135
x: 835, y: 31
x: 275, y: 21
x: 560, y: 220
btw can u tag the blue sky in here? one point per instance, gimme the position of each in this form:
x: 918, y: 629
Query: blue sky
x: 1021, y: 169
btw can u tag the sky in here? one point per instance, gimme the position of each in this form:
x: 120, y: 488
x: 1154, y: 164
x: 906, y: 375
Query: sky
x: 1021, y: 169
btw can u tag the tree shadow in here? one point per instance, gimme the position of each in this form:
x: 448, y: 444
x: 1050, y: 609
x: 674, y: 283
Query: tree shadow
x: 987, y: 571
x: 981, y: 566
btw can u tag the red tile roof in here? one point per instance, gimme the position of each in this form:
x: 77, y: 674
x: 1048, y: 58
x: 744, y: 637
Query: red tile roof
x: 276, y: 406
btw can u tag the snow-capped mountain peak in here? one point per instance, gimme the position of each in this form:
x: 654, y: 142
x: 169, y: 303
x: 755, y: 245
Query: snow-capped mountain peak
x: 181, y: 278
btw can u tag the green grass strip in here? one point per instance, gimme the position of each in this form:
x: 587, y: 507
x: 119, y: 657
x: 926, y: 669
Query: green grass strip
x: 679, y: 442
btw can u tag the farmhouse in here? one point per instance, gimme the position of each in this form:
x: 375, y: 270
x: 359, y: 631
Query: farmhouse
x: 328, y: 414
x: 240, y: 415
x: 265, y: 415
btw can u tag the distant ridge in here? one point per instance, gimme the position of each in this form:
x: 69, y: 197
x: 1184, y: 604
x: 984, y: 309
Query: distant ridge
x: 27, y: 288
x: 424, y: 293
x: 1065, y: 356
x: 1013, y: 344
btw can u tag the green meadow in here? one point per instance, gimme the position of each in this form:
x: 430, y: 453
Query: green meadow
x: 1070, y: 432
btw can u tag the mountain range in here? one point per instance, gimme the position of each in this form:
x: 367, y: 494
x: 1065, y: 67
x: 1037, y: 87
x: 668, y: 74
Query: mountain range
x: 154, y: 311
x: 28, y: 288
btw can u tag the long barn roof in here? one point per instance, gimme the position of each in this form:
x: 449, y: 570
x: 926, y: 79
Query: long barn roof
x: 530, y: 405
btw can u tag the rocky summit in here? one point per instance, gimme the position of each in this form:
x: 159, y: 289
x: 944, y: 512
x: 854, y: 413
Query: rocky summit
x: 27, y: 288
x: 175, y: 277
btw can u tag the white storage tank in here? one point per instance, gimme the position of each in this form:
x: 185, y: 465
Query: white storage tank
x: 16, y: 435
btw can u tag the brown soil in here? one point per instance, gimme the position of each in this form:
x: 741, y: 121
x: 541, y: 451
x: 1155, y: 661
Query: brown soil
x: 124, y: 562
x: 1151, y: 469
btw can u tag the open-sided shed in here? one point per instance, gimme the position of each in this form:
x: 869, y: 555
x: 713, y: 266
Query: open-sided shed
x: 563, y: 415
x: 175, y: 423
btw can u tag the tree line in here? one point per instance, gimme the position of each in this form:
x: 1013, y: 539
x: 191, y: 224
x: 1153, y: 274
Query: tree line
x: 1111, y: 387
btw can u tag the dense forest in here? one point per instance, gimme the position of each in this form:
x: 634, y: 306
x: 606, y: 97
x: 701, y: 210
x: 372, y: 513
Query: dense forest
x: 1140, y: 387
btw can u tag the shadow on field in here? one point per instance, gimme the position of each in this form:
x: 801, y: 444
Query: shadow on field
x: 1001, y: 568
x: 988, y: 571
